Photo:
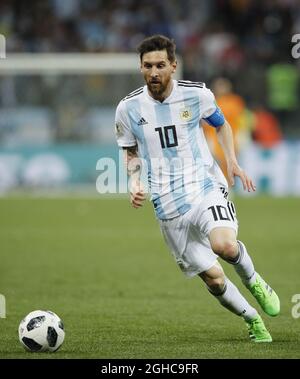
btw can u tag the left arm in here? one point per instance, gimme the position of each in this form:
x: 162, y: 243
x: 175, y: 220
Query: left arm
x: 225, y: 138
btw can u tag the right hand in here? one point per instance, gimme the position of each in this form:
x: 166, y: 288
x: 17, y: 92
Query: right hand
x: 137, y: 194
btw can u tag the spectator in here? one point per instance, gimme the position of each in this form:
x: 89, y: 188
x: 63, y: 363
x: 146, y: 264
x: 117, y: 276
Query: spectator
x: 266, y: 131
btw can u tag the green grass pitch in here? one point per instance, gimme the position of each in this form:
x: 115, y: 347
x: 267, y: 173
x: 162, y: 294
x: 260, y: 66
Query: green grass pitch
x: 103, y: 267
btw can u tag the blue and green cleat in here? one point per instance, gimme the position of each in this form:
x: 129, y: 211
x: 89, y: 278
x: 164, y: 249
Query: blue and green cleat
x: 265, y: 296
x: 257, y: 330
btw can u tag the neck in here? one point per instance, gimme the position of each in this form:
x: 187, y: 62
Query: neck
x: 162, y: 96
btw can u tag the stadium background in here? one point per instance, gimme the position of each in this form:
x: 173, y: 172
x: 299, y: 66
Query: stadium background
x: 67, y: 247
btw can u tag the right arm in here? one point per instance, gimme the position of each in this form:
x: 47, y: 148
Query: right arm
x: 127, y: 141
x: 134, y: 166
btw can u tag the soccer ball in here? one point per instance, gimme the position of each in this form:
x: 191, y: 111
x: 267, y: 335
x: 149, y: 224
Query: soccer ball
x: 41, y: 331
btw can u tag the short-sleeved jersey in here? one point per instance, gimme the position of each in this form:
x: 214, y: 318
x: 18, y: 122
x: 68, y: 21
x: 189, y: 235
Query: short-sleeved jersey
x: 171, y: 143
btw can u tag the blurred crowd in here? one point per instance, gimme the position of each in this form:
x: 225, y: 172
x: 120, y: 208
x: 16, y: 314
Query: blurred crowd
x: 246, y: 41
x: 222, y: 32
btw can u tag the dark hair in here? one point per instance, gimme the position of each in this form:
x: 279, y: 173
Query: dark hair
x: 156, y: 43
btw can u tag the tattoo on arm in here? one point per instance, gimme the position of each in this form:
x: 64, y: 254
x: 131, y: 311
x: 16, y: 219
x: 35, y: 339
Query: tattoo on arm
x: 132, y: 160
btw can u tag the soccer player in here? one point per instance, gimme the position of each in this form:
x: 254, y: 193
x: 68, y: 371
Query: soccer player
x: 160, y: 124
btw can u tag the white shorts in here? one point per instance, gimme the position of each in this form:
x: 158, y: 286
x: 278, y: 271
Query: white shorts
x: 187, y: 235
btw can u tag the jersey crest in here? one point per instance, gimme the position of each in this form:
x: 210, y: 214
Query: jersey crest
x: 186, y: 114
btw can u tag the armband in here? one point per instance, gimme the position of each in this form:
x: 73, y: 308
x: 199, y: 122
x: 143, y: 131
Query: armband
x: 216, y: 119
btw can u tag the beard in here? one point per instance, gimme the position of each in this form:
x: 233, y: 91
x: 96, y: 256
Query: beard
x: 156, y: 88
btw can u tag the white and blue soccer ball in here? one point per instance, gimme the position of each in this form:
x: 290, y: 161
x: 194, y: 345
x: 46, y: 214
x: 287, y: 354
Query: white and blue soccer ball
x: 41, y: 331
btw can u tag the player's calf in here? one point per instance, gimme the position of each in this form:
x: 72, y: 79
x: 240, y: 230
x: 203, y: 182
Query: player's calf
x: 216, y: 286
x: 214, y: 278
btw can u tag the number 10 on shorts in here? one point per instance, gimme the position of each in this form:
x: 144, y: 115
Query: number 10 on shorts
x: 221, y: 213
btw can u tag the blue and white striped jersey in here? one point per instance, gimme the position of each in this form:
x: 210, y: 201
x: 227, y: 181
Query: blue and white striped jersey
x: 172, y: 145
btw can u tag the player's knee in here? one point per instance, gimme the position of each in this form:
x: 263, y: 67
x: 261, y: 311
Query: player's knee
x: 226, y: 249
x: 216, y: 285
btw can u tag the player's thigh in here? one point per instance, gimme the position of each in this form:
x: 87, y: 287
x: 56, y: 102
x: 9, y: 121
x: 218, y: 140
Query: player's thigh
x: 175, y: 233
x: 189, y: 247
x: 198, y: 256
x: 217, y: 216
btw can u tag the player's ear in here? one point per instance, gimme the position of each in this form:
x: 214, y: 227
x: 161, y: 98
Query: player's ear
x: 174, y: 65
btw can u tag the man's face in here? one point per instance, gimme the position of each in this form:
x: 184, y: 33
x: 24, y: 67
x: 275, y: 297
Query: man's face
x: 157, y: 71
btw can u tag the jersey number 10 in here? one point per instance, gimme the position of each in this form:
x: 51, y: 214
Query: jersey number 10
x: 167, y: 136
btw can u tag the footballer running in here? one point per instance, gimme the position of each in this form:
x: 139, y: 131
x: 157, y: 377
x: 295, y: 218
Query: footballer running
x: 160, y: 124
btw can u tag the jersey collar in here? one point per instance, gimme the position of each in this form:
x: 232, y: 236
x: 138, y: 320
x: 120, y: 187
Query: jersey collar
x: 167, y: 100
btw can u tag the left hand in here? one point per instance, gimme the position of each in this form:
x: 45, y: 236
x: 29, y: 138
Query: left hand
x: 233, y: 169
